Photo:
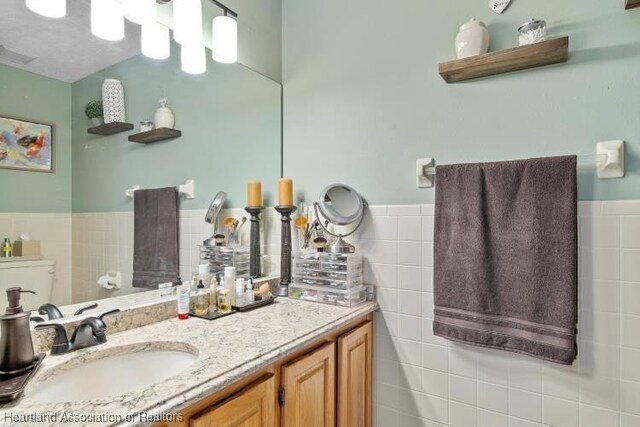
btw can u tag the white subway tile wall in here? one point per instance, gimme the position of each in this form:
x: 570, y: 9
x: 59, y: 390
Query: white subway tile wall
x: 54, y: 232
x: 424, y: 380
x: 104, y: 241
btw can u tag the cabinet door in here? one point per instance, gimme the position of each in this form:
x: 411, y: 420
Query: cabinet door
x: 308, y: 383
x: 354, y: 377
x: 253, y: 406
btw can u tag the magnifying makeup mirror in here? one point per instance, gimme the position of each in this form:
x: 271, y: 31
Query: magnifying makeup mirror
x: 341, y: 205
x: 212, y: 217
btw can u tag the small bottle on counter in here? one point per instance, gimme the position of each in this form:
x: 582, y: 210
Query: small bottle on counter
x: 230, y: 283
x: 213, y: 296
x: 183, y: 301
x: 7, y: 248
x: 249, y: 297
x: 239, y: 293
x: 193, y: 290
x: 201, y: 300
x: 224, y: 301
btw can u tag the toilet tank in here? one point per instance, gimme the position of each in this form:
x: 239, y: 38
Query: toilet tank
x: 29, y: 275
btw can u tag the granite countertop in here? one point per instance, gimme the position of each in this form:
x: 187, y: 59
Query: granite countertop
x: 228, y: 349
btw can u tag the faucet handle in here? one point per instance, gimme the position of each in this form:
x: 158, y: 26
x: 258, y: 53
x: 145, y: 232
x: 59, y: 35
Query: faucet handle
x: 108, y: 313
x: 85, y: 308
x: 52, y: 311
x: 60, y: 342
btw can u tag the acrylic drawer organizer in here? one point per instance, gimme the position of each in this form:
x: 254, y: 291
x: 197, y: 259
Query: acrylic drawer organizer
x: 328, y: 278
x: 219, y: 257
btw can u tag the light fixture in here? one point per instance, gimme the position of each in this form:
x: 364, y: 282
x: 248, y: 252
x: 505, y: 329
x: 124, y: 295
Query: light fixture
x: 193, y: 58
x: 155, y: 40
x: 187, y: 22
x: 107, y: 19
x: 224, y: 39
x: 48, y: 8
x: 140, y: 11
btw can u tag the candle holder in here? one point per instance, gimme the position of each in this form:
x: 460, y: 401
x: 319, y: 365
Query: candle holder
x: 285, y: 248
x: 255, y: 264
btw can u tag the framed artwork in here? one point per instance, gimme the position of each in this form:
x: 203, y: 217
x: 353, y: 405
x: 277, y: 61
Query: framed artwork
x: 26, y: 145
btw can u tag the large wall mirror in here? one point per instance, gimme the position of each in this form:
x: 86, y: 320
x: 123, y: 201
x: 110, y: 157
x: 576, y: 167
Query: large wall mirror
x: 65, y: 188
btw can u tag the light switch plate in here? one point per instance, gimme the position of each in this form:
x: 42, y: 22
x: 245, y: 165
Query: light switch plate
x: 499, y: 6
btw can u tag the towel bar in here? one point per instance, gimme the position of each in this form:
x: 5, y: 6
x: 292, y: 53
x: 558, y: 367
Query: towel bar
x: 187, y: 189
x: 609, y: 161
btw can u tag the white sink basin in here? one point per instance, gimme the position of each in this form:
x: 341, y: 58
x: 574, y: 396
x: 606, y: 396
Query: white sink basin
x: 112, y: 372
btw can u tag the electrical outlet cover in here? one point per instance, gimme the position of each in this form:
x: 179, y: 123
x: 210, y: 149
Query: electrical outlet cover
x: 498, y: 6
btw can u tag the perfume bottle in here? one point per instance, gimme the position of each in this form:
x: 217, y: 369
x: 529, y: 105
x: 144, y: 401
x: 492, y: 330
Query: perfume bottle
x: 202, y: 300
x: 224, y: 301
x: 7, y: 248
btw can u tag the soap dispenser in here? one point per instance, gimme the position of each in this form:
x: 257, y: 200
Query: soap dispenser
x: 16, y: 347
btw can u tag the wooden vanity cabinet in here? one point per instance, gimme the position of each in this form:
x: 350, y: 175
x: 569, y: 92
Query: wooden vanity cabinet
x: 326, y: 383
x: 354, y: 377
x: 307, y: 394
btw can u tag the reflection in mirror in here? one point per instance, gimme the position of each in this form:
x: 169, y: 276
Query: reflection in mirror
x: 71, y: 230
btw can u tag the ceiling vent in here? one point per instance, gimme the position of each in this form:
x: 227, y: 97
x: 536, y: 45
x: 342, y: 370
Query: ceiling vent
x: 12, y: 57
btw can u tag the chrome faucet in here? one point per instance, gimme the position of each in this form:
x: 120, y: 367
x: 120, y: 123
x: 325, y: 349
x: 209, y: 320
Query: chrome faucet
x: 91, y: 331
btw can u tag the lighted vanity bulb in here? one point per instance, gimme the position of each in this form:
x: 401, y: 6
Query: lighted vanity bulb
x: 48, y: 8
x: 193, y: 58
x: 107, y: 19
x: 224, y: 39
x: 187, y: 22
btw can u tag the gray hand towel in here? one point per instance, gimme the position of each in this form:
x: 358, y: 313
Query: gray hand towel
x: 506, y: 258
x: 155, y: 237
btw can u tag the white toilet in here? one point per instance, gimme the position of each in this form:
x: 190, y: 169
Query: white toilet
x: 29, y: 275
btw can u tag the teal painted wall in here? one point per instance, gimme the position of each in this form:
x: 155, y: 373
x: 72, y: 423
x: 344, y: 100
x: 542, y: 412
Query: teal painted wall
x: 37, y: 98
x: 363, y: 99
x: 229, y: 117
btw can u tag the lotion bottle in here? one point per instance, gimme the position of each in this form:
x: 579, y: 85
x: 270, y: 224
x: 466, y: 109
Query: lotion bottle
x: 183, y: 300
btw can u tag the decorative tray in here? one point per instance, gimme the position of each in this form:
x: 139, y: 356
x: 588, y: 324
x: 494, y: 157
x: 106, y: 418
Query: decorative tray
x: 254, y: 305
x: 213, y: 316
x: 12, y: 387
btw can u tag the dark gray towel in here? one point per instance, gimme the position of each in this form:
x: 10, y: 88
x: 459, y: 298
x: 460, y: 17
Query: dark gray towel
x: 155, y: 237
x: 506, y: 258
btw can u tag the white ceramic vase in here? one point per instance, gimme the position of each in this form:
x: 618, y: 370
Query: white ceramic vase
x: 473, y: 39
x: 163, y: 118
x: 113, y: 101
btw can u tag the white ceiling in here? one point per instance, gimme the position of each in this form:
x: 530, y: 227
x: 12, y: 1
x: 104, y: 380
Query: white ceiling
x: 64, y: 48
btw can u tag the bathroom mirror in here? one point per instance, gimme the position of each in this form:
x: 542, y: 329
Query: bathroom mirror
x: 341, y: 205
x: 78, y: 212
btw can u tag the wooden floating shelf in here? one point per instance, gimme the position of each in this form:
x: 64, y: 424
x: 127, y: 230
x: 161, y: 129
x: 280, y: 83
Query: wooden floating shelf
x: 110, y: 128
x: 631, y: 4
x: 155, y: 135
x: 505, y: 61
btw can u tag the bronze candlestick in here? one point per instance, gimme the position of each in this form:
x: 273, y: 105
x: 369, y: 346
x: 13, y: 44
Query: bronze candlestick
x: 255, y: 264
x: 285, y: 248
